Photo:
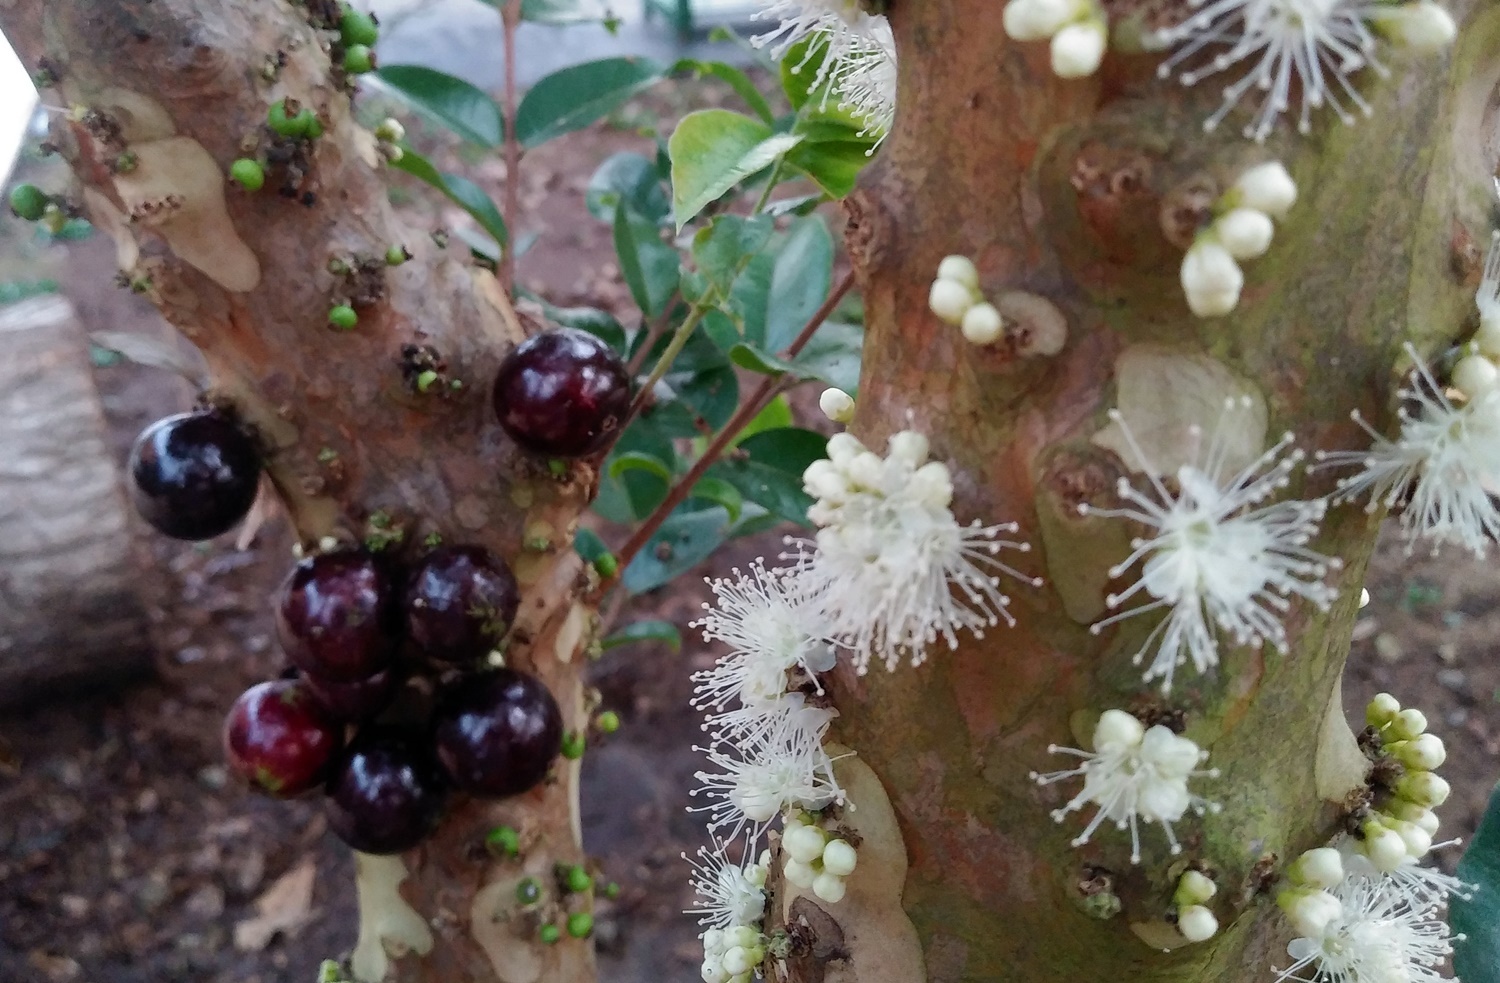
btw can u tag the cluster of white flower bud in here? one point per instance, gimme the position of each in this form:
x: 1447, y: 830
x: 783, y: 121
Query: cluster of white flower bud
x: 955, y: 298
x: 1078, y: 29
x: 1402, y: 828
x: 1308, y: 900
x: 1194, y: 921
x: 815, y: 858
x: 1477, y: 374
x: 731, y: 955
x: 732, y: 901
x: 1241, y: 229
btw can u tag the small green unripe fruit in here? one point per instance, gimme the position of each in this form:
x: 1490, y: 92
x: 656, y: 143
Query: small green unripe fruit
x: 606, y: 564
x: 343, y: 317
x: 608, y: 722
x: 249, y: 173
x: 28, y: 201
x: 396, y: 255
x: 580, y: 924
x: 284, y: 125
x: 577, y: 879
x: 504, y: 840
x: 573, y: 745
x: 359, y: 59
x: 312, y: 127
x: 358, y: 27
x: 549, y: 934
x: 611, y: 890
x: 528, y: 892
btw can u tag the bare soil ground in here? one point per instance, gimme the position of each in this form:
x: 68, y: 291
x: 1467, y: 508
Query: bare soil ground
x: 126, y: 856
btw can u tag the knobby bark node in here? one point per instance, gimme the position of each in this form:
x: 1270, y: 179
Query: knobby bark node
x: 155, y: 100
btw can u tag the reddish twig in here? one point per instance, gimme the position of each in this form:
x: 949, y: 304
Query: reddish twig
x: 510, y: 20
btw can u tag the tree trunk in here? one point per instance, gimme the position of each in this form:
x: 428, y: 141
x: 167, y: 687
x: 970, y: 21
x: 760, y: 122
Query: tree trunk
x: 163, y: 96
x: 1055, y: 187
x: 69, y: 613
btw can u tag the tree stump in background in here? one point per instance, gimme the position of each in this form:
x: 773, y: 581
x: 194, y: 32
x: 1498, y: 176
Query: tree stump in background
x: 69, y: 614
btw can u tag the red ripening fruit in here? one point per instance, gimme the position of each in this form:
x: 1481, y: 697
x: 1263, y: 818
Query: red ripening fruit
x: 333, y: 616
x: 460, y: 601
x: 496, y: 734
x: 384, y: 794
x: 562, y: 393
x: 194, y: 475
x: 279, y: 738
x: 359, y: 700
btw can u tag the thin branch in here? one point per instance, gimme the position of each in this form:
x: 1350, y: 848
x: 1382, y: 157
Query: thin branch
x: 653, y: 331
x: 769, y: 388
x: 510, y: 20
x: 679, y: 341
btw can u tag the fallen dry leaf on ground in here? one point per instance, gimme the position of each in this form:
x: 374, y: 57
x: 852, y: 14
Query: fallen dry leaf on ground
x: 285, y: 907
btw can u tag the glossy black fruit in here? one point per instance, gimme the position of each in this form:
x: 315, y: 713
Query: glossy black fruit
x: 384, y: 795
x: 562, y: 393
x: 460, y: 601
x: 332, y: 616
x: 496, y: 734
x: 280, y: 739
x: 358, y: 700
x: 194, y: 475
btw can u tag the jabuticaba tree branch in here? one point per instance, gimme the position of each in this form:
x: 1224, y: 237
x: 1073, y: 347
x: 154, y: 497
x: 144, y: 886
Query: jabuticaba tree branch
x: 1068, y: 190
x: 154, y: 102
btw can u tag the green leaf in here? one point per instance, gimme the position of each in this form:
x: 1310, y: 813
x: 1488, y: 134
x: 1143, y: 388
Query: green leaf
x: 752, y: 358
x: 724, y: 246
x: 1476, y: 959
x: 450, y: 101
x: 777, y: 414
x: 713, y: 150
x: 587, y: 544
x: 461, y: 191
x: 648, y: 264
x: 720, y: 493
x: 683, y: 541
x: 631, y: 179
x: 600, y: 324
x: 833, y: 355
x: 833, y: 167
x: 638, y: 461
x: 634, y: 494
x: 574, y: 97
x: 768, y: 470
x: 801, y: 67
x: 735, y: 79
x: 750, y: 297
x: 645, y: 631
x: 800, y: 281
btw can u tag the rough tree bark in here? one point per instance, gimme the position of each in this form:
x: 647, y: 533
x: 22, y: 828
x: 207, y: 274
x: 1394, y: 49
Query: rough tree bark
x: 1056, y: 187
x: 160, y: 97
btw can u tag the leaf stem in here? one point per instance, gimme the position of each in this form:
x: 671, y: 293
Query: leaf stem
x: 669, y: 355
x: 510, y: 21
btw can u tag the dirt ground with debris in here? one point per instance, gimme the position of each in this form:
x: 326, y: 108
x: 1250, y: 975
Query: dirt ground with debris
x: 127, y: 856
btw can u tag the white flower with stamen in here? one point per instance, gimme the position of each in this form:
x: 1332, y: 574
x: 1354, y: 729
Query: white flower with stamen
x: 729, y: 894
x: 863, y: 78
x: 856, y: 49
x: 1441, y: 470
x: 1275, y: 48
x: 780, y: 768
x: 1417, y: 886
x: 1134, y: 775
x: 892, y: 570
x: 1377, y: 936
x: 1219, y: 559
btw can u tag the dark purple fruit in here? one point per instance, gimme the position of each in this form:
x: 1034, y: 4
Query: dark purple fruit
x: 194, y: 475
x: 460, y: 602
x: 384, y: 794
x: 332, y: 616
x: 496, y: 734
x: 279, y: 738
x: 359, y: 700
x: 562, y: 393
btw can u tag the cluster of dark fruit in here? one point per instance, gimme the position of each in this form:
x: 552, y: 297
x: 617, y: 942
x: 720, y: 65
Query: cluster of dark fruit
x: 391, y: 705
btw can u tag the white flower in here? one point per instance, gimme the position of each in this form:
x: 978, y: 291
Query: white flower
x: 1218, y: 559
x: 1277, y: 47
x: 729, y: 894
x: 1415, y: 885
x: 1133, y: 775
x: 1377, y: 937
x: 892, y: 570
x: 782, y: 767
x: 770, y: 627
x: 1197, y: 923
x: 1245, y: 232
x: 1441, y: 470
x: 857, y: 49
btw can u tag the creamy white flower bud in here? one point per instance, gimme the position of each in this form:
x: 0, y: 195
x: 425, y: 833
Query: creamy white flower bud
x: 1418, y: 841
x: 960, y: 269
x: 842, y: 447
x: 713, y: 971
x: 1382, y: 710
x: 1488, y: 335
x: 1193, y: 888
x: 1267, y: 188
x: 1322, y: 868
x: 1078, y: 49
x: 829, y: 887
x: 1423, y: 26
x: 800, y: 874
x: 1211, y: 279
x: 1245, y: 232
x: 713, y: 941
x: 1407, y: 724
x: 1310, y: 912
x: 839, y: 858
x: 950, y: 300
x: 1117, y: 729
x: 837, y: 405
x: 908, y: 447
x: 390, y: 130
x: 1383, y: 846
x: 1197, y: 923
x: 982, y: 324
x: 1033, y: 20
x: 865, y: 470
x: 822, y: 479
x: 736, y: 960
x: 1424, y: 788
x: 1424, y: 752
x: 1475, y: 375
x: 741, y: 935
x: 803, y: 844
